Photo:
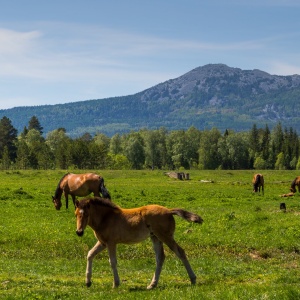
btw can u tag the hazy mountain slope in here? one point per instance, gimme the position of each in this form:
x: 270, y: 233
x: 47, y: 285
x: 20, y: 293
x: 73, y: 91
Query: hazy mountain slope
x: 210, y: 96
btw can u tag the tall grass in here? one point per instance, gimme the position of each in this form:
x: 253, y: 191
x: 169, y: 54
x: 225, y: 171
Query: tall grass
x: 247, y: 248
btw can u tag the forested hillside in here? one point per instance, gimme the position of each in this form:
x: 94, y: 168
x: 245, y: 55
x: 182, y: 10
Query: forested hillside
x: 206, y: 97
x: 258, y: 148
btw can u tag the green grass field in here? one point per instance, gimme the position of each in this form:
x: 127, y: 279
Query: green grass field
x: 247, y: 248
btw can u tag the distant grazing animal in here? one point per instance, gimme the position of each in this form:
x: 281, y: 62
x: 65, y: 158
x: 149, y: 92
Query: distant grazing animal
x: 287, y: 195
x: 258, y: 182
x: 296, y: 182
x: 113, y: 225
x: 79, y: 185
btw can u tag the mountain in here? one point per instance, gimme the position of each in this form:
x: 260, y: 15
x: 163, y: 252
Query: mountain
x: 213, y: 95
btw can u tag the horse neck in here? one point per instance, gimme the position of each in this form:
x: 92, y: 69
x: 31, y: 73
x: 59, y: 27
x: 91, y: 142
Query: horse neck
x: 58, y: 192
x: 60, y: 187
x: 98, y: 214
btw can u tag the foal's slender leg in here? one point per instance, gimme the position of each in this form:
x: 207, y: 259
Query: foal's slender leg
x: 112, y: 252
x: 92, y: 253
x: 160, y: 257
x: 181, y: 255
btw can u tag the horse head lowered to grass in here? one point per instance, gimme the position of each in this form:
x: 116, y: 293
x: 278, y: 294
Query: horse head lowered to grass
x: 295, y: 183
x: 79, y: 185
x: 258, y: 182
x: 113, y: 225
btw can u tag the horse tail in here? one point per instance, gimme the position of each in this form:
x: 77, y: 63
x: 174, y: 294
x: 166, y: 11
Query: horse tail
x: 103, y: 189
x: 189, y: 216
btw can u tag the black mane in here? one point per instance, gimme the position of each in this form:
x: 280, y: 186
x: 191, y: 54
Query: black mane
x: 58, y: 190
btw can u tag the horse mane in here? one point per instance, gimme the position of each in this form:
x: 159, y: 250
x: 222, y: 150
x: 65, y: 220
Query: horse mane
x: 97, y: 201
x: 58, y: 190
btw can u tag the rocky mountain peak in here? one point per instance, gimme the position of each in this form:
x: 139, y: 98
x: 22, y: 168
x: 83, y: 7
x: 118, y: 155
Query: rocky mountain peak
x: 213, y: 79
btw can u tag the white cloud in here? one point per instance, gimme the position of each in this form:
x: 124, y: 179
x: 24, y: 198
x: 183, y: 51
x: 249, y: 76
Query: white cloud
x: 16, y: 43
x: 67, y: 52
x: 50, y: 62
x: 283, y: 68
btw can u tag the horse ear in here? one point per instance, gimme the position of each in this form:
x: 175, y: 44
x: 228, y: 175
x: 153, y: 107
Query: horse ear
x: 76, y: 203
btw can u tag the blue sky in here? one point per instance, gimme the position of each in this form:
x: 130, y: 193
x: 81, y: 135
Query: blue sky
x: 72, y: 50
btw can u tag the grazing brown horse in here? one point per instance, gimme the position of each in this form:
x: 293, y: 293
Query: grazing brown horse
x: 79, y: 185
x: 258, y: 182
x: 113, y: 225
x: 296, y: 182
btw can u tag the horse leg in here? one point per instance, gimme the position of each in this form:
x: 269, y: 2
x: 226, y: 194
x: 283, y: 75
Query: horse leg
x: 91, y: 254
x: 112, y: 252
x: 74, y: 198
x: 171, y: 243
x: 67, y: 200
x: 160, y: 258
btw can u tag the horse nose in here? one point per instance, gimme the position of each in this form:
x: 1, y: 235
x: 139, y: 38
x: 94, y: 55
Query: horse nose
x: 79, y: 232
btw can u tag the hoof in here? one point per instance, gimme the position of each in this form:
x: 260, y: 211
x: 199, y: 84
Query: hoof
x: 193, y: 280
x: 88, y: 284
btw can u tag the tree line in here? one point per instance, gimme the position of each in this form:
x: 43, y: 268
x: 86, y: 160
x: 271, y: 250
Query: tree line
x: 258, y: 148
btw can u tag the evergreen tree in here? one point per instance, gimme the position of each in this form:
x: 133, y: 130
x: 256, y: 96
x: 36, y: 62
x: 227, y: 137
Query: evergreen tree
x: 24, y: 133
x: 8, y: 138
x: 277, y: 137
x: 254, y: 140
x: 35, y: 124
x: 223, y: 153
x: 265, y: 145
x: 254, y: 146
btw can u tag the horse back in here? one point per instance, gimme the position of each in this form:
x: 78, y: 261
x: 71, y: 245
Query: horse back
x: 82, y: 184
x: 125, y: 226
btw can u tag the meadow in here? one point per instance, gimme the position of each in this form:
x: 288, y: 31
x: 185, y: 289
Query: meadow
x: 247, y: 247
